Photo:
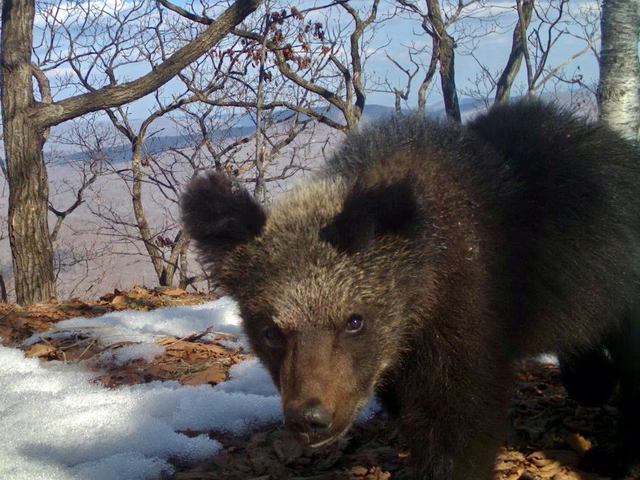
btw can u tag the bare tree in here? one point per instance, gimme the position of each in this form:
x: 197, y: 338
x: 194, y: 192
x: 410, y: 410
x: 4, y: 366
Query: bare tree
x: 619, y: 88
x: 538, y: 32
x: 328, y: 63
x: 26, y: 123
x: 89, y: 173
x: 223, y: 78
x: 518, y: 49
x: 75, y: 161
x: 401, y: 95
x: 436, y: 22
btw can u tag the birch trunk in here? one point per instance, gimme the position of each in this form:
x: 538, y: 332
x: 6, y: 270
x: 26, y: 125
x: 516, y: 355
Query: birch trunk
x: 618, y: 96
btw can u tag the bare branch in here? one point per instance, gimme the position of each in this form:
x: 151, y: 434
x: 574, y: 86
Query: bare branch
x: 518, y: 46
x: 111, y: 96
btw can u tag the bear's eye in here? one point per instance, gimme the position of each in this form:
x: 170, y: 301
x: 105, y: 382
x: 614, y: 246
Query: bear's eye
x: 272, y: 336
x: 354, y: 323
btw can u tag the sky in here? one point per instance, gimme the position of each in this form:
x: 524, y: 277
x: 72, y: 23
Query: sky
x: 483, y: 36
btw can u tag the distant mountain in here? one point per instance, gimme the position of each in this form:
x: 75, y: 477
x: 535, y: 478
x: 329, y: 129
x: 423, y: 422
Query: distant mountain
x: 168, y: 133
x: 158, y: 144
x: 172, y: 133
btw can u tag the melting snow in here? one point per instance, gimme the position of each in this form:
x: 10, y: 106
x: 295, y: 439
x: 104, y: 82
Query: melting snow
x: 56, y: 424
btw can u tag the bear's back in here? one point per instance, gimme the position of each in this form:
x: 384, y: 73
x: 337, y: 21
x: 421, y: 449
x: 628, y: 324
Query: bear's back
x: 563, y: 192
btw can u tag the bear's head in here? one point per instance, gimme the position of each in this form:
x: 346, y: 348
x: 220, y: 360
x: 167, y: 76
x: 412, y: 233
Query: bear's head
x: 325, y: 281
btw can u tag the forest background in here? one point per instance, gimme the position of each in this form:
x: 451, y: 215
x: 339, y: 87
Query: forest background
x: 110, y: 106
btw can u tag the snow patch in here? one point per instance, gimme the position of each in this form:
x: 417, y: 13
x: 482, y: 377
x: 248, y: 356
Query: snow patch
x: 128, y: 353
x: 548, y: 358
x: 56, y: 424
x: 134, y: 326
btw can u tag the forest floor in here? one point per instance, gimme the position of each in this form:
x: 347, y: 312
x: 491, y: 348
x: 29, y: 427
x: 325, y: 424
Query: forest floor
x: 548, y: 436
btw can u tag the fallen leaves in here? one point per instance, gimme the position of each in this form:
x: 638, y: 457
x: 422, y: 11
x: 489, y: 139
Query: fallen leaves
x: 287, y: 449
x: 194, y: 362
x: 373, y: 473
x: 140, y: 298
x: 578, y: 443
x: 19, y: 322
x: 200, y: 358
x: 43, y: 351
x: 213, y: 374
x: 367, y: 453
x: 189, y: 362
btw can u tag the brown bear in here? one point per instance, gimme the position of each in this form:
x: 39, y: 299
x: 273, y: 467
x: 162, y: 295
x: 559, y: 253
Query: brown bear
x: 428, y: 258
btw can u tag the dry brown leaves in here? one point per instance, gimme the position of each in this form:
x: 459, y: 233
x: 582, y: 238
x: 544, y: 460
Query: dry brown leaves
x: 140, y: 298
x: 18, y: 323
x: 275, y: 455
x: 550, y: 434
x: 194, y: 362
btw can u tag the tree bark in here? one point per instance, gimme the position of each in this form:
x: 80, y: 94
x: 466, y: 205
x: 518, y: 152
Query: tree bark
x: 26, y: 173
x: 448, y: 78
x: 26, y: 122
x: 3, y: 290
x: 618, y: 91
x: 138, y: 210
x: 518, y: 45
x: 177, y: 251
x: 259, y: 191
x: 424, y: 86
x: 444, y: 48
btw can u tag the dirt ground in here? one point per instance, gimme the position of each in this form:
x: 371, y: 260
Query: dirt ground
x: 548, y: 437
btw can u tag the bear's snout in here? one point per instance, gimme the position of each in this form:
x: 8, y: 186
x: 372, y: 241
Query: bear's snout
x: 311, y: 417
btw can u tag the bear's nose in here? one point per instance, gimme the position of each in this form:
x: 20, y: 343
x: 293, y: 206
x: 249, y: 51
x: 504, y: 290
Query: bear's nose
x: 317, y: 418
x: 312, y: 417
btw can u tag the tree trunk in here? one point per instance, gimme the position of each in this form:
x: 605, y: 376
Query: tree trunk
x: 138, y: 210
x: 448, y: 78
x: 518, y: 45
x: 3, y: 290
x: 260, y: 188
x: 25, y: 122
x: 424, y: 86
x: 618, y: 91
x: 444, y: 48
x: 172, y: 264
x: 31, y: 247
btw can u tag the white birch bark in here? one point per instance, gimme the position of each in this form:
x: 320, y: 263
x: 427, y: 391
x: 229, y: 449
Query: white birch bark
x: 619, y: 88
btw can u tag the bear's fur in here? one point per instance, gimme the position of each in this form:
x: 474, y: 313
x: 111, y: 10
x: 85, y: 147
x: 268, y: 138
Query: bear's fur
x: 424, y: 261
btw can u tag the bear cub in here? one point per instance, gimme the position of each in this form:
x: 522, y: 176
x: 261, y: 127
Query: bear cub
x: 424, y: 261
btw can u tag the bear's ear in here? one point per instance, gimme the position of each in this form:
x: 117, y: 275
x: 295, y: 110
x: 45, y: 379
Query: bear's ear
x: 370, y: 212
x: 218, y: 214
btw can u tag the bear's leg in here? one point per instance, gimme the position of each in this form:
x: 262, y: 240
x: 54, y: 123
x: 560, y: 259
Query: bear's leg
x: 588, y: 374
x: 627, y: 359
x: 455, y: 424
x: 623, y: 458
